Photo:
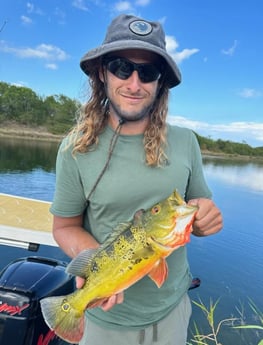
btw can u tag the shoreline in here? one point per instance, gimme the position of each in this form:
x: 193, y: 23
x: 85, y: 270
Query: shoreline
x: 41, y: 134
x: 25, y: 132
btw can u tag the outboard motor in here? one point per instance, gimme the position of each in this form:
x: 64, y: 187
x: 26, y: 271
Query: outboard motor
x: 23, y: 283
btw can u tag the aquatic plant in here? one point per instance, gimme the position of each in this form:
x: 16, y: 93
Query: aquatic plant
x: 258, y: 316
x: 214, y: 336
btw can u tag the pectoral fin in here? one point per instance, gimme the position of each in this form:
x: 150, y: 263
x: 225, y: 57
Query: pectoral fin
x: 159, y: 272
x: 78, y: 265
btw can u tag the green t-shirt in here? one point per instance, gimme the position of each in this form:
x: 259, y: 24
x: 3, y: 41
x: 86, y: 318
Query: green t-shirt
x: 128, y: 185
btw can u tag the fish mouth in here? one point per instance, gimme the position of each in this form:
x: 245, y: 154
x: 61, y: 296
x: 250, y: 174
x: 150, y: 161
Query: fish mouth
x: 185, y: 210
x: 180, y: 230
x: 185, y: 220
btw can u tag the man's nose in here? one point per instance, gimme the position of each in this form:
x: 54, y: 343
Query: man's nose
x: 134, y: 81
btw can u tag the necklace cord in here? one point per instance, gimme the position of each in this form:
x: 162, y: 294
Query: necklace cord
x: 112, y: 145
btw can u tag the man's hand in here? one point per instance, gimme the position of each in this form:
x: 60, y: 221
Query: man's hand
x: 106, y: 304
x: 208, y: 218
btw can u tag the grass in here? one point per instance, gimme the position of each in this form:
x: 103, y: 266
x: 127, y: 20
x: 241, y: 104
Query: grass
x: 258, y: 317
x: 214, y: 335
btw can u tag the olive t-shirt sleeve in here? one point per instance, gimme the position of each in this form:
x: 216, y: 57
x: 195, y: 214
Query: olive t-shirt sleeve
x: 197, y: 186
x: 69, y: 199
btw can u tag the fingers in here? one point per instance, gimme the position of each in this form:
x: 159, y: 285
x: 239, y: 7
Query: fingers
x: 79, y: 282
x: 208, y: 219
x: 110, y: 302
x: 208, y: 229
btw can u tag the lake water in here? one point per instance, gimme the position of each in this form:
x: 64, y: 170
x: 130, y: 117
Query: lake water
x: 229, y: 264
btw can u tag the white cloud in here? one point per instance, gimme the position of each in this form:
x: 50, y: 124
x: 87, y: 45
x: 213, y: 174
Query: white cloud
x: 250, y: 132
x: 230, y: 51
x: 178, y: 56
x: 80, y: 4
x: 42, y: 51
x: 121, y: 6
x: 26, y: 20
x: 171, y: 43
x: 249, y: 93
x: 51, y: 66
x: 31, y: 8
x: 20, y: 84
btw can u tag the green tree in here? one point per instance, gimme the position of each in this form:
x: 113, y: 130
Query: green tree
x: 61, y: 112
x: 20, y: 104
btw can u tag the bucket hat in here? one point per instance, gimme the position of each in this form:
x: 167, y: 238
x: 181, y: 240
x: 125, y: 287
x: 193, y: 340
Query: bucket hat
x: 130, y: 32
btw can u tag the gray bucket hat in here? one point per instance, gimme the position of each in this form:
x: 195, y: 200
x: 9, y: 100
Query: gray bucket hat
x: 129, y: 32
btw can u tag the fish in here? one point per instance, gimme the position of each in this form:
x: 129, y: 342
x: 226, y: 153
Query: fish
x: 134, y: 249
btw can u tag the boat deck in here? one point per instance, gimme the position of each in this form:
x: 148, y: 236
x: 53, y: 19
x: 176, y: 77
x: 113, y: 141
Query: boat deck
x: 25, y: 222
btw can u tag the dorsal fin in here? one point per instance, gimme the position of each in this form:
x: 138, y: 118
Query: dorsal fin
x: 120, y: 228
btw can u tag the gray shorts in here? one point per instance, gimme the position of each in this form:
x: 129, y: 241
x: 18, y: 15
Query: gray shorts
x: 172, y: 330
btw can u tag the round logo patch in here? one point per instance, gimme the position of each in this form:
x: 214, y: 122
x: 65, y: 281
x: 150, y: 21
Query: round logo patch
x: 140, y: 27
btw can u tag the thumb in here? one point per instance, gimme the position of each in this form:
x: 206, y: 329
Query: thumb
x: 193, y: 202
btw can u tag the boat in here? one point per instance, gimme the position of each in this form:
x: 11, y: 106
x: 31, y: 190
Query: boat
x: 26, y: 223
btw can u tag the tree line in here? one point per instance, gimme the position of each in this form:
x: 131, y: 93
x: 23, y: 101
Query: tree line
x: 57, y: 113
x: 229, y: 147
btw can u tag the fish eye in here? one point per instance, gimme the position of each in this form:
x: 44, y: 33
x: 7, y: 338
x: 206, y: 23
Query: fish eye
x: 156, y: 209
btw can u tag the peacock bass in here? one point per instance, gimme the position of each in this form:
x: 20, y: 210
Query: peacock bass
x: 133, y: 250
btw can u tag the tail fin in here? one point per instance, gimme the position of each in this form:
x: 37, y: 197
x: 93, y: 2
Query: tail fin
x: 62, y: 318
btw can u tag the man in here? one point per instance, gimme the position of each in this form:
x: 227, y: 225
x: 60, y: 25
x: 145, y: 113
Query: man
x: 121, y: 157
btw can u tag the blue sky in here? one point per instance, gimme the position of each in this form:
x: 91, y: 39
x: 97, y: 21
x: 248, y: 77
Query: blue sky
x: 216, y: 43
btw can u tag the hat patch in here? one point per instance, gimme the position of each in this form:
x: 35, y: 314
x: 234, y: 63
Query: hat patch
x: 141, y: 27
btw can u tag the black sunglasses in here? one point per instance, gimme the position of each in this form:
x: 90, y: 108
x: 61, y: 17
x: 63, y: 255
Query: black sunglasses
x: 123, y: 68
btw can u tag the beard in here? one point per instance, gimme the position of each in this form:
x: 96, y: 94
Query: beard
x: 132, y: 115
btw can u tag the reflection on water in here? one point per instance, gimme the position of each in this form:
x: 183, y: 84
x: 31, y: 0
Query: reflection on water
x: 26, y: 155
x: 27, y: 168
x: 242, y: 174
x: 229, y: 263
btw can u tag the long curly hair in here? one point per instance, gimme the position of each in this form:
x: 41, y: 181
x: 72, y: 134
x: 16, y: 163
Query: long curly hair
x: 93, y: 118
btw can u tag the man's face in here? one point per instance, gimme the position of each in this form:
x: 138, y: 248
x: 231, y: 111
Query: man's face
x: 131, y: 98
